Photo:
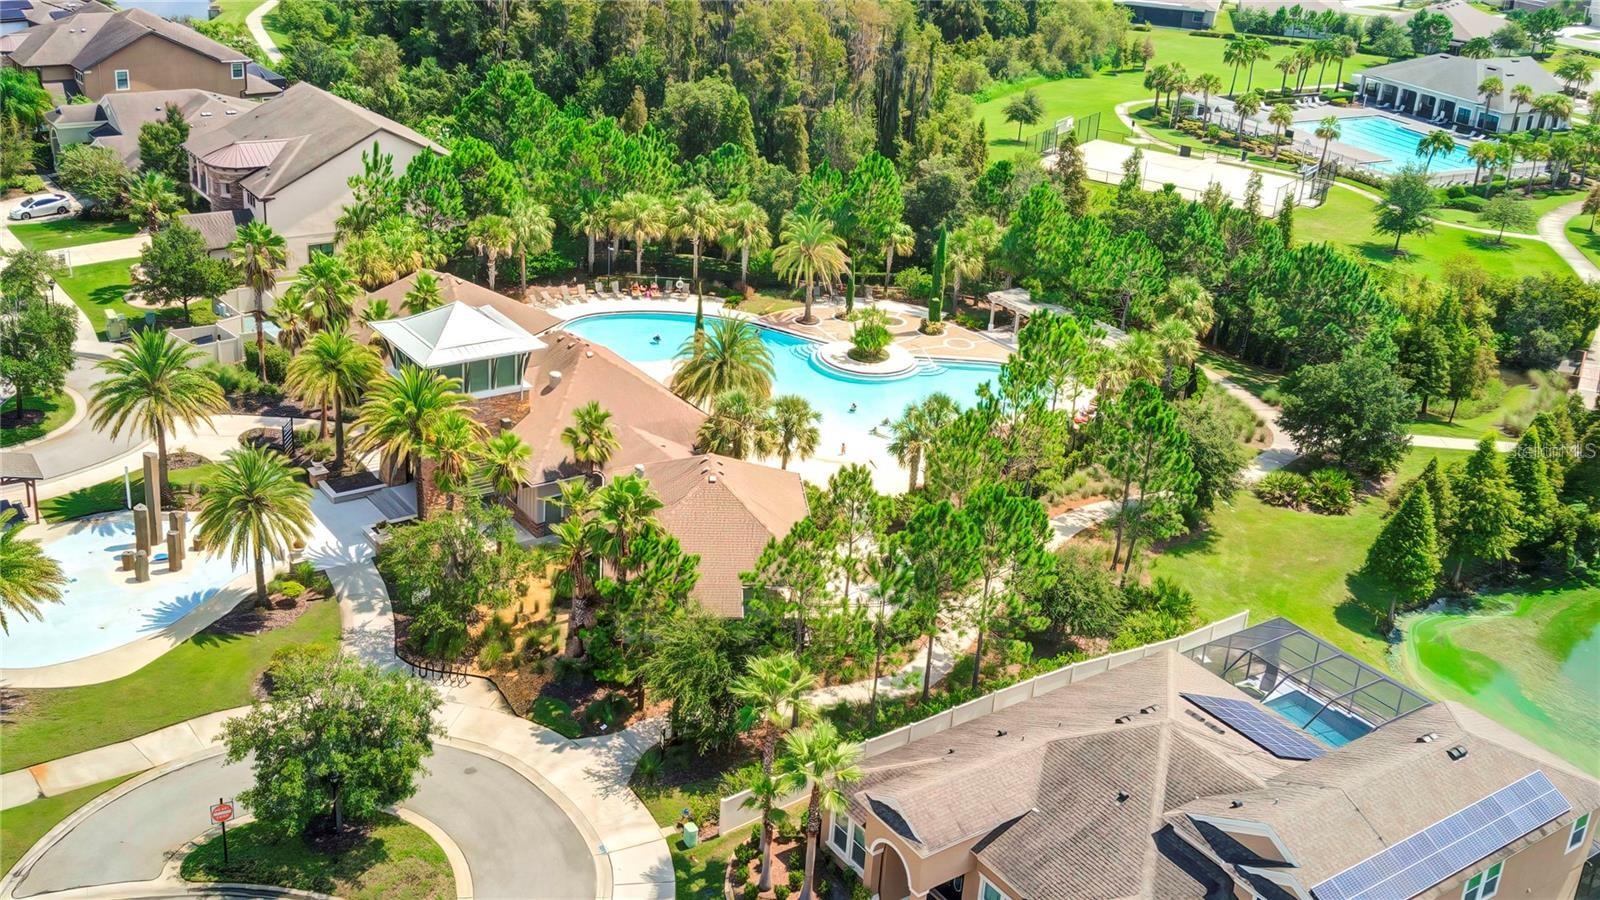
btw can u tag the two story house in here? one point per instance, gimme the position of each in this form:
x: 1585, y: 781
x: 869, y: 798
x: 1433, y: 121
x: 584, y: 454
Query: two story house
x: 288, y: 163
x: 93, y: 53
x: 115, y: 121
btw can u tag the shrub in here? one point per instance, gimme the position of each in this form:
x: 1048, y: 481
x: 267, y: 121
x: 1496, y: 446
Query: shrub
x: 1455, y: 191
x: 1282, y: 489
x: 1471, y: 203
x: 436, y: 634
x: 648, y: 769
x: 917, y: 283
x: 797, y: 877
x: 296, y: 656
x: 493, y: 654
x: 277, y: 360
x: 704, y: 809
x: 609, y: 710
x: 780, y: 892
x: 871, y: 338
x: 291, y: 589
x: 1330, y: 492
x: 739, y: 875
x: 750, y: 892
x: 555, y: 715
x: 28, y: 184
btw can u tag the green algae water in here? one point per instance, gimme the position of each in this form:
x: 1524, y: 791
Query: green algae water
x: 1530, y: 661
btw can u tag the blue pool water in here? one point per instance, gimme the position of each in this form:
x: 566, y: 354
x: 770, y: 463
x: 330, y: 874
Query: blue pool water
x: 102, y: 607
x: 1333, y: 727
x: 1388, y: 138
x: 630, y: 335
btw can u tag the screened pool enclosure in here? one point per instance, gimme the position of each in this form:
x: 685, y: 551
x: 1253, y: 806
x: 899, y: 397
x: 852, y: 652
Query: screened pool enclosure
x: 1308, y: 681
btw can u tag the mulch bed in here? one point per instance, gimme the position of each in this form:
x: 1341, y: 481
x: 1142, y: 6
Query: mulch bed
x: 354, y: 480
x: 247, y: 619
x: 28, y: 418
x: 265, y: 405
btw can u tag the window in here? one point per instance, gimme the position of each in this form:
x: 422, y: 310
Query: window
x: 226, y: 188
x: 451, y: 372
x: 477, y: 376
x: 506, y: 372
x: 121, y: 76
x: 841, y: 833
x: 313, y: 249
x: 987, y: 890
x: 858, y: 846
x: 1580, y: 833
x: 238, y: 71
x: 850, y: 840
x: 1483, y: 885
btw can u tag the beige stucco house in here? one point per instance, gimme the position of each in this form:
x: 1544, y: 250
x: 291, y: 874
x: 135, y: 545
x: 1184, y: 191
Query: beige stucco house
x: 288, y: 163
x: 115, y: 121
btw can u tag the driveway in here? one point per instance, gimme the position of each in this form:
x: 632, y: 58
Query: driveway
x: 516, y: 841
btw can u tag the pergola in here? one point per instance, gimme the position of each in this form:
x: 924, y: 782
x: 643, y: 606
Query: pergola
x: 23, y: 469
x: 1023, y: 307
x: 1261, y: 658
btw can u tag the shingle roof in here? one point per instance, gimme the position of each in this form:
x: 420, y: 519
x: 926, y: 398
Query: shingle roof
x: 125, y: 113
x: 311, y: 125
x: 89, y: 36
x: 1335, y: 811
x: 725, y: 510
x: 219, y: 228
x: 1460, y: 76
x: 1040, y: 781
x: 1466, y: 21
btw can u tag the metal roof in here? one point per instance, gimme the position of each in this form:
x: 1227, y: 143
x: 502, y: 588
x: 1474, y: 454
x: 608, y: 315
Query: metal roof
x: 456, y: 333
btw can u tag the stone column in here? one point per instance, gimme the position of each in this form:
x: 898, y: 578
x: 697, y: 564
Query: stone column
x: 174, y: 552
x: 141, y: 566
x: 178, y: 521
x: 128, y: 557
x: 152, y: 495
x: 141, y: 526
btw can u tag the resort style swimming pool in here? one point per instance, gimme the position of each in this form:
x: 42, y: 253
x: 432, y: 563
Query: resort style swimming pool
x: 1398, y: 144
x: 103, y: 607
x: 650, y: 340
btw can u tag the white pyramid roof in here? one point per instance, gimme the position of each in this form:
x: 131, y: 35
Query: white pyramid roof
x: 456, y: 333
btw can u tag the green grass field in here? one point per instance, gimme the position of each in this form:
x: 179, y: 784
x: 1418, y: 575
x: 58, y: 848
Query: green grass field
x: 1301, y: 565
x: 22, y: 826
x: 98, y: 289
x: 57, y: 410
x: 204, y: 674
x: 1101, y: 92
x: 111, y: 494
x: 56, y: 234
x: 1587, y: 241
x: 1548, y: 689
x: 1474, y: 418
x: 394, y: 859
x: 1541, y: 203
x: 1345, y: 219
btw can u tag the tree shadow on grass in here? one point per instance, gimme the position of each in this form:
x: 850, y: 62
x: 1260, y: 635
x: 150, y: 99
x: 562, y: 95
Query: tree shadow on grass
x: 1202, y: 541
x: 1365, y: 609
x: 1488, y: 243
x: 255, y: 857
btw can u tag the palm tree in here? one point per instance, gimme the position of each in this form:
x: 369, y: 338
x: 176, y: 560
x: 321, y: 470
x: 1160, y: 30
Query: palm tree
x: 152, y: 199
x: 727, y: 356
x: 1489, y: 89
x: 1433, y: 143
x: 1477, y: 48
x: 767, y: 792
x: 254, y: 506
x: 377, y: 310
x: 1521, y: 95
x: 503, y: 460
x: 1281, y: 117
x: 624, y: 509
x: 590, y: 437
x: 739, y: 426
x: 1175, y: 341
x: 329, y: 287
x: 594, y: 223
x: 28, y: 577
x: 967, y: 252
x: 794, y: 423
x: 698, y: 218
x: 772, y: 694
x: 424, y: 294
x: 916, y: 430
x: 1235, y: 55
x: 1287, y: 65
x: 1246, y: 106
x: 640, y: 217
x: 152, y: 384
x: 577, y: 545
x: 399, y: 414
x: 808, y: 250
x: 1344, y: 47
x: 901, y: 240
x: 1552, y: 109
x: 532, y: 231
x: 1207, y: 83
x: 745, y: 226
x: 23, y: 97
x: 258, y: 253
x: 1574, y: 72
x: 452, y: 444
x: 1329, y: 130
x: 493, y: 236
x: 334, y: 368
x: 1484, y: 155
x: 292, y: 315
x: 818, y: 756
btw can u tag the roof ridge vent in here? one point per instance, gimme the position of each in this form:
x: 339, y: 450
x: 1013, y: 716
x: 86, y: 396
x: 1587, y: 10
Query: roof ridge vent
x: 1457, y: 752
x: 1236, y: 804
x: 711, y: 479
x: 1149, y: 709
x: 1123, y: 720
x: 1428, y: 738
x: 1122, y: 796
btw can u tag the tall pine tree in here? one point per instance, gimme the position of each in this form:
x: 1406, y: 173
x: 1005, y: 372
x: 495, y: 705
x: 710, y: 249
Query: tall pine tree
x: 1531, y: 477
x: 1405, y: 556
x: 1488, y: 509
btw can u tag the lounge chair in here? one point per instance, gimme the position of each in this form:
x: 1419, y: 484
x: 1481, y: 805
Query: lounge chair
x: 616, y: 289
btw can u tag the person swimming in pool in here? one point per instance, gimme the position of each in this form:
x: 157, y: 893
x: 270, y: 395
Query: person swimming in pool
x: 852, y: 407
x: 656, y: 339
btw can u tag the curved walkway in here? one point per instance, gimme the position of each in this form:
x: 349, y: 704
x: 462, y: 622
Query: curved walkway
x: 258, y: 31
x: 132, y: 834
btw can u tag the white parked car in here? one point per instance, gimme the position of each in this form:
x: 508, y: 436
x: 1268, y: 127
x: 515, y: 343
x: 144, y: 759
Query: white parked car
x: 47, y: 205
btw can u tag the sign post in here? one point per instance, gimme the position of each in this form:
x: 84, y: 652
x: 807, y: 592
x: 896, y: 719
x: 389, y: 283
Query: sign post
x: 220, y: 814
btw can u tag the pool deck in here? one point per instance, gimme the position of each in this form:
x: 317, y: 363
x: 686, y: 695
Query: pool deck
x: 1305, y: 118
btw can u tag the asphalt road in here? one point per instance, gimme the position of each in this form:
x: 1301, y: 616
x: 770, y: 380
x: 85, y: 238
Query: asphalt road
x: 517, y: 842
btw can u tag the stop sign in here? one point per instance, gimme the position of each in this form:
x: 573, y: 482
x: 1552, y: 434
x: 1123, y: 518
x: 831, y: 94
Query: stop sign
x: 221, y: 812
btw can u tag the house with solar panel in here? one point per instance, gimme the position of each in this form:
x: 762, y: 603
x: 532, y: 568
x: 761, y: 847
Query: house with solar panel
x: 1266, y: 764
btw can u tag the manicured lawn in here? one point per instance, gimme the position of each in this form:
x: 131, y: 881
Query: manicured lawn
x: 1504, y: 396
x: 22, y: 826
x: 234, y: 11
x: 57, y: 410
x: 698, y: 870
x: 98, y: 289
x: 1301, y: 565
x: 1587, y: 241
x: 1101, y: 92
x: 393, y: 860
x: 1346, y: 219
x: 1254, y: 379
x: 58, y: 233
x: 111, y: 494
x: 1541, y: 203
x: 1548, y: 688
x: 202, y: 675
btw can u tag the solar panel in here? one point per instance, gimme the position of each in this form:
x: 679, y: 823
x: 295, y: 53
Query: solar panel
x: 1266, y: 729
x: 1449, y: 845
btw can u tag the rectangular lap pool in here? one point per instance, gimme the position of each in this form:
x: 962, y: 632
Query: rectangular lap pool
x: 1398, y: 145
x: 1333, y: 727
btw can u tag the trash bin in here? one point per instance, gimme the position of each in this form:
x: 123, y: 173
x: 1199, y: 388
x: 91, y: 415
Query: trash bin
x: 1184, y: 150
x: 691, y: 835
